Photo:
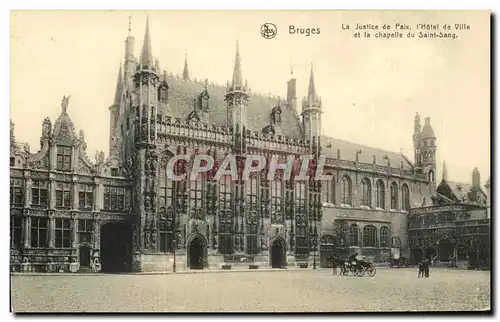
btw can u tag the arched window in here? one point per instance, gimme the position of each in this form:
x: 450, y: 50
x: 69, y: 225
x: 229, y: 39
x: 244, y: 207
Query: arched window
x: 353, y: 235
x: 346, y: 192
x: 431, y: 176
x: 366, y: 192
x: 405, y: 195
x: 369, y: 236
x: 226, y: 245
x: 163, y: 93
x: 384, y: 236
x: 380, y: 194
x: 328, y: 190
x: 394, y: 195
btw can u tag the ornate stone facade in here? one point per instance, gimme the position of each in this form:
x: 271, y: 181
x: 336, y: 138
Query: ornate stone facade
x: 204, y: 223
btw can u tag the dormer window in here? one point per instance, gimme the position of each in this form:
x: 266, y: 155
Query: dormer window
x: 114, y: 172
x: 204, y: 103
x: 63, y: 158
x: 163, y: 92
x: 276, y: 115
x: 12, y: 161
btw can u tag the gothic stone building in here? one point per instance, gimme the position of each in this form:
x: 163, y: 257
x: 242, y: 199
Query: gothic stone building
x: 122, y: 213
x: 456, y: 227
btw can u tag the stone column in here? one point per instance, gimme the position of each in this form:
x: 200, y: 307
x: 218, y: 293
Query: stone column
x: 74, y: 192
x: 26, y: 229
x: 97, y: 232
x: 52, y: 191
x: 52, y: 229
x: 74, y: 235
x: 27, y: 190
x: 388, y: 194
x: 373, y: 192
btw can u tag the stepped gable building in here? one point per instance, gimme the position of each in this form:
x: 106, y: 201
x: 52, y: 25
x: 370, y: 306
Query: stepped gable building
x: 456, y: 228
x: 122, y: 213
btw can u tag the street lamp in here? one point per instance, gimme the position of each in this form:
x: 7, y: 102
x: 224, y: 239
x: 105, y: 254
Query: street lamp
x: 315, y: 240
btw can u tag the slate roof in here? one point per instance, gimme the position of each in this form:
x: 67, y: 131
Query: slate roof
x: 348, y: 152
x: 460, y: 190
x: 183, y: 93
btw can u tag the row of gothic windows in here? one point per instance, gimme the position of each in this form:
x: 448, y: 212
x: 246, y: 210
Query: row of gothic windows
x: 114, y: 197
x: 39, y: 232
x: 369, y: 236
x: 346, y: 193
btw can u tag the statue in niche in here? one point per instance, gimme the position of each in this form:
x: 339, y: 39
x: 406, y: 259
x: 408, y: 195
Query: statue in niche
x: 263, y: 244
x: 65, y: 103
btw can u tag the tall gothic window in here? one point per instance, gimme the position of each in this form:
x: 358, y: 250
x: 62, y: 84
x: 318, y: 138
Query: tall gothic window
x: 353, y: 235
x: 40, y: 194
x: 346, y: 190
x: 16, y: 192
x: 16, y: 232
x: 380, y: 194
x: 63, y: 194
x: 405, y: 195
x: 114, y: 198
x: 195, y: 193
x: 166, y: 231
x: 328, y: 190
x: 366, y: 192
x: 394, y: 196
x: 384, y: 236
x: 369, y: 236
x: 39, y: 232
x: 62, y: 233
x: 226, y: 244
x: 301, y: 237
x: 276, y: 200
x: 252, y: 220
x: 85, y: 230
x: 85, y: 196
x: 63, y: 158
x: 166, y: 188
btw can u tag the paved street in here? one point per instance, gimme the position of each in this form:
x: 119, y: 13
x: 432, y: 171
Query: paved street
x: 280, y: 291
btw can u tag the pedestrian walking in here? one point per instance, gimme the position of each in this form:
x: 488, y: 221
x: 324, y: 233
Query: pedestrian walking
x: 426, y: 268
x: 421, y: 268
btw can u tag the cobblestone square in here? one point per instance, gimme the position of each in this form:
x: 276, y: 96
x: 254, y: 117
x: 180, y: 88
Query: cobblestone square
x: 273, y: 291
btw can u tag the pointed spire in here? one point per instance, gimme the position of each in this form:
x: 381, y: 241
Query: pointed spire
x: 312, y: 88
x: 164, y: 76
x: 146, y: 54
x: 445, y: 171
x: 237, y: 78
x: 185, y: 72
x: 312, y: 97
x: 291, y: 71
x: 118, y: 90
x: 129, y: 25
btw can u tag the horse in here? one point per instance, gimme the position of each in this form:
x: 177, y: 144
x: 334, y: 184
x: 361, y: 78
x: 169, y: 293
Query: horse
x: 338, y: 262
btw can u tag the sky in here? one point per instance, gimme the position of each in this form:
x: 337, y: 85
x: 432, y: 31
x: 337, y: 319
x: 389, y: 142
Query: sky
x: 371, y: 89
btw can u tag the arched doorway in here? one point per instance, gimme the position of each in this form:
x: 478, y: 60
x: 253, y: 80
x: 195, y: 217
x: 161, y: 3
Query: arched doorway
x: 116, y: 247
x: 446, y: 250
x: 416, y: 255
x: 326, y: 251
x: 277, y: 253
x: 430, y: 253
x: 197, y: 251
x: 84, y: 253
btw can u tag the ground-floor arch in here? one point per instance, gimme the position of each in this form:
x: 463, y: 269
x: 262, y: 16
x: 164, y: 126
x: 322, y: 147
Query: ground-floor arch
x: 197, y: 252
x: 116, y: 247
x: 277, y: 253
x: 84, y: 254
x: 446, y: 250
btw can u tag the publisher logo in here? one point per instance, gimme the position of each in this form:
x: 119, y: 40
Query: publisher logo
x: 268, y: 30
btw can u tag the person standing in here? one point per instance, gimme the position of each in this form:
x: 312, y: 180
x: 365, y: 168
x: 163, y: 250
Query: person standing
x: 426, y: 267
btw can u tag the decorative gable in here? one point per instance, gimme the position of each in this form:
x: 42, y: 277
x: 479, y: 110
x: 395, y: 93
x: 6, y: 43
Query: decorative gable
x: 64, y: 133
